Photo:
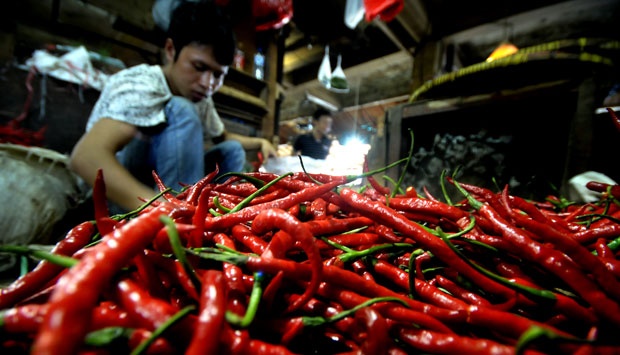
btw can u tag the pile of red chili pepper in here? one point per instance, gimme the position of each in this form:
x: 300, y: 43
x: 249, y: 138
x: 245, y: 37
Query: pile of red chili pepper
x: 304, y: 263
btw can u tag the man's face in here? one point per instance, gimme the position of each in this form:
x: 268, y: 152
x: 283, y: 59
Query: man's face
x: 324, y: 124
x: 195, y: 74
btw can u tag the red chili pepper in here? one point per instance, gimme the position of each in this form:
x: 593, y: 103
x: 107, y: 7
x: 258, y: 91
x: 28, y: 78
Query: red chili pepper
x: 389, y: 217
x: 237, y: 341
x: 439, y: 343
x: 425, y: 206
x: 391, y: 310
x: 614, y: 117
x: 32, y: 282
x: 277, y: 218
x: 603, y: 250
x: 614, y: 190
x: 79, y: 289
x: 337, y: 225
x: 249, y: 239
x: 233, y: 275
x: 377, y: 329
x: 150, y: 313
x: 461, y: 293
x: 28, y: 318
x: 202, y: 209
x: 350, y: 240
x: 193, y: 193
x: 373, y: 182
x: 555, y: 262
x: 206, y: 338
x: 159, y: 345
x: 564, y: 242
x: 23, y: 319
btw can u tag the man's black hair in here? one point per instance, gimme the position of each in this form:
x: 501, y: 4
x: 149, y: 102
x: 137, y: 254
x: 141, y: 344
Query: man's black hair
x: 321, y: 112
x: 205, y: 23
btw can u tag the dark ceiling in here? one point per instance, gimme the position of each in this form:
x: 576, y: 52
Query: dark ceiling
x: 321, y: 22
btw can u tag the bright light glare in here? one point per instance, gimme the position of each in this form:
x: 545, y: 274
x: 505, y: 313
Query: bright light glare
x: 348, y: 159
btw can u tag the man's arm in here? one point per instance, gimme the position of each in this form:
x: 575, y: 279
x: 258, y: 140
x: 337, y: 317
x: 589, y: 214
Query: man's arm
x: 97, y: 149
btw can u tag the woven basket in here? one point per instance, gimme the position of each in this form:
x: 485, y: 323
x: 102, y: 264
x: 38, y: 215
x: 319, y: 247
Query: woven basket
x: 36, y: 189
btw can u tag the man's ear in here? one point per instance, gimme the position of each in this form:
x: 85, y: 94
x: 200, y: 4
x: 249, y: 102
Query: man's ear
x: 169, y: 50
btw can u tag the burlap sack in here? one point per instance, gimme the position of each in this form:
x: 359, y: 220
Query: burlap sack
x: 36, y: 189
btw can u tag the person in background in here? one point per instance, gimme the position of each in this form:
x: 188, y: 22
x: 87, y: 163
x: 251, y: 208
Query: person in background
x: 162, y: 118
x: 316, y: 144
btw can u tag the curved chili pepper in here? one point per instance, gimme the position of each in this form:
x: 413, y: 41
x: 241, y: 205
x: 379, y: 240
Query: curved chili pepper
x: 277, y: 218
x: 32, y: 282
x: 79, y: 289
x: 206, y: 336
x: 193, y: 193
x: 281, y: 242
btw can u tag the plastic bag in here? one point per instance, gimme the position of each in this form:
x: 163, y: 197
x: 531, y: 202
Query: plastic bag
x: 325, y: 70
x: 271, y: 14
x: 338, y: 81
x: 386, y: 10
x: 353, y: 13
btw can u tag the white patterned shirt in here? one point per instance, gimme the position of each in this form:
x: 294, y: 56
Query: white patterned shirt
x: 137, y: 95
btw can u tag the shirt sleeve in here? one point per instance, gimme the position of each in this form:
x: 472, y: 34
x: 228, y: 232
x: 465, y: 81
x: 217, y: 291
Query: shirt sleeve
x: 136, y: 96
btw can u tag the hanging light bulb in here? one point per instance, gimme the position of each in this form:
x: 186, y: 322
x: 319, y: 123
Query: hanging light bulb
x: 505, y: 48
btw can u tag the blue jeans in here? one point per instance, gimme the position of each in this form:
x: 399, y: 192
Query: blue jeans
x: 176, y: 151
x: 229, y: 156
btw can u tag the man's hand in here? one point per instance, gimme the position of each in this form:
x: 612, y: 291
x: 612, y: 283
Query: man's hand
x: 268, y: 149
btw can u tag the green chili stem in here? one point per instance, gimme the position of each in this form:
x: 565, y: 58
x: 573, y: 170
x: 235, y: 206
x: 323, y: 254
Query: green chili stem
x: 357, y: 254
x: 407, y: 160
x: 105, y: 336
x: 317, y: 321
x: 444, y: 190
x: 255, y: 297
x: 216, y: 202
x: 157, y: 332
x: 258, y: 183
x: 535, y: 333
x: 179, y: 251
x: 533, y: 293
x: 61, y: 260
x: 137, y: 211
x: 246, y: 201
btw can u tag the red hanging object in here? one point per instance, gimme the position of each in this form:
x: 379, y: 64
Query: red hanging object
x: 272, y: 14
x: 386, y: 10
